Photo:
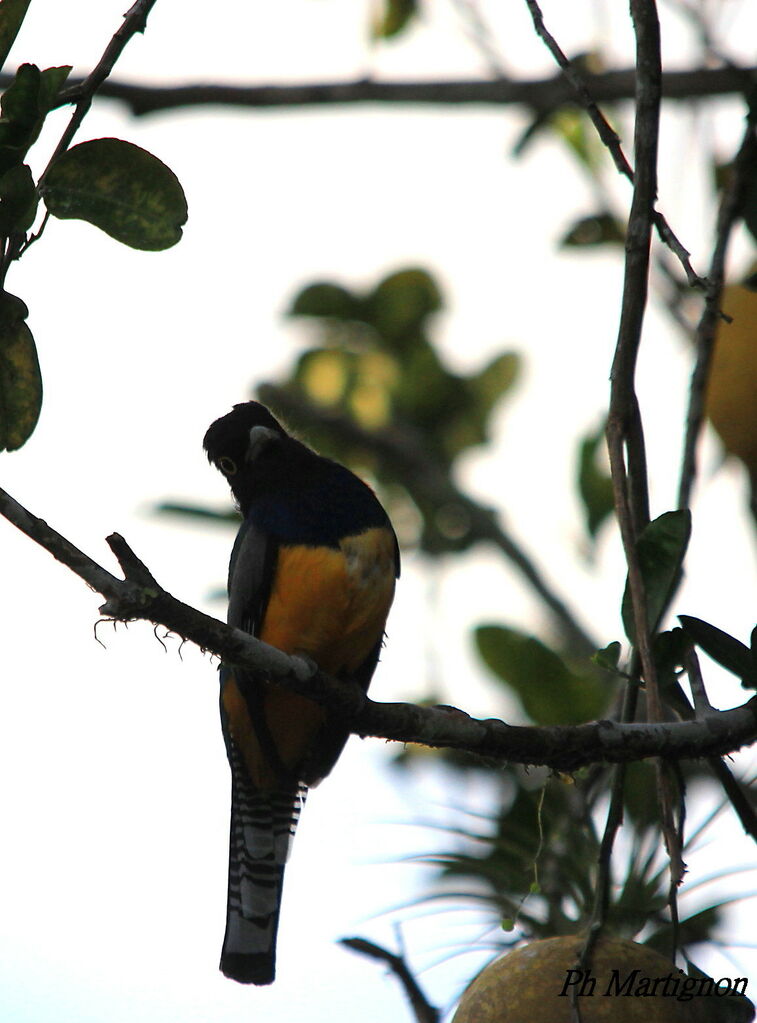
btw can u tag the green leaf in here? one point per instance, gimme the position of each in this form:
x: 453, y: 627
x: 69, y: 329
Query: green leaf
x: 550, y: 692
x: 327, y: 301
x: 51, y: 82
x: 12, y: 14
x: 661, y: 549
x: 19, y: 102
x: 596, y: 229
x: 18, y: 200
x: 570, y: 124
x: 122, y: 189
x: 20, y: 380
x: 394, y: 18
x: 640, y: 801
x: 494, y: 380
x: 608, y: 657
x: 25, y: 105
x: 594, y: 483
x: 726, y: 650
x: 197, y: 511
x: 401, y: 303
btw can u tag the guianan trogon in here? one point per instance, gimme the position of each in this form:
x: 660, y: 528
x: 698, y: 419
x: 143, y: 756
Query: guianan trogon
x: 312, y: 572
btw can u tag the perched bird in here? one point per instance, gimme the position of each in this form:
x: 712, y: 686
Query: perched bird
x: 312, y: 572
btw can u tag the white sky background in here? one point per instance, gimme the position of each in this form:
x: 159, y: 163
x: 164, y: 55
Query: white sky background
x: 115, y: 794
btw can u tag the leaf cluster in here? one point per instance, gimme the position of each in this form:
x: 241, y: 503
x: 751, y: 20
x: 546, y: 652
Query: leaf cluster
x: 532, y: 864
x: 118, y: 187
x: 374, y: 362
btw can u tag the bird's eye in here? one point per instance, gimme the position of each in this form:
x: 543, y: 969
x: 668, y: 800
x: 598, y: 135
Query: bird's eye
x: 227, y: 465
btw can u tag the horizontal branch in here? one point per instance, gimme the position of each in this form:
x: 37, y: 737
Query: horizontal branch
x: 541, y: 94
x: 139, y: 597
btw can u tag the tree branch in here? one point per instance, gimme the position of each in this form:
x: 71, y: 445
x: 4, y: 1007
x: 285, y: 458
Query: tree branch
x: 83, y: 90
x: 624, y: 428
x: 565, y: 749
x: 588, y: 100
x: 541, y: 95
x: 423, y: 1010
x: 81, y: 94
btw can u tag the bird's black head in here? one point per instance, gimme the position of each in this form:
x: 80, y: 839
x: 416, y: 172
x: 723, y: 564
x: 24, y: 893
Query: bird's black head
x: 236, y: 442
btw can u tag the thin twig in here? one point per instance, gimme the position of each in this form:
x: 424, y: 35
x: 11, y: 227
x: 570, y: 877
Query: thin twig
x: 606, y: 132
x: 702, y: 705
x: 134, y: 21
x: 612, y: 825
x: 733, y: 788
x: 99, y: 579
x: 481, y: 36
x: 738, y: 798
x: 609, y: 136
x: 422, y: 1009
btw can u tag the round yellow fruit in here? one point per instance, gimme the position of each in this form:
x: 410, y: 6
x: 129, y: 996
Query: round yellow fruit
x: 731, y: 402
x: 626, y: 983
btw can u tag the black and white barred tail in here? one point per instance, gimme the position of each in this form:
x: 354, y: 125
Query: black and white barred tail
x: 262, y: 826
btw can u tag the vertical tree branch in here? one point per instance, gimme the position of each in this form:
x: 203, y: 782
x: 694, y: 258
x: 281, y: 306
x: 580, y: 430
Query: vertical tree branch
x: 625, y: 435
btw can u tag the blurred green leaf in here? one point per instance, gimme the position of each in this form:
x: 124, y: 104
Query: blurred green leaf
x: 377, y: 365
x: 608, y: 657
x: 195, y: 511
x: 692, y: 930
x: 394, y: 17
x: 324, y: 299
x: 122, y: 189
x: 12, y: 14
x: 728, y: 651
x: 572, y: 126
x: 530, y: 853
x: 400, y: 303
x: 661, y: 549
x: 18, y: 200
x: 24, y: 105
x: 494, y: 380
x: 20, y: 380
x: 594, y: 483
x: 596, y: 229
x: 640, y: 799
x: 550, y: 692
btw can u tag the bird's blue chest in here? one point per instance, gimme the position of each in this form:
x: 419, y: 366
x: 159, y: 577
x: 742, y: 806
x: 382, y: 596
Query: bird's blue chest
x: 317, y: 516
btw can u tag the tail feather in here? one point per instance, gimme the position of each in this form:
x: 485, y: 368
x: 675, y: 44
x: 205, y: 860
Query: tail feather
x: 262, y: 826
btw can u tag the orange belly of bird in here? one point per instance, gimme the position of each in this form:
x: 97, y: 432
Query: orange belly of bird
x: 329, y: 605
